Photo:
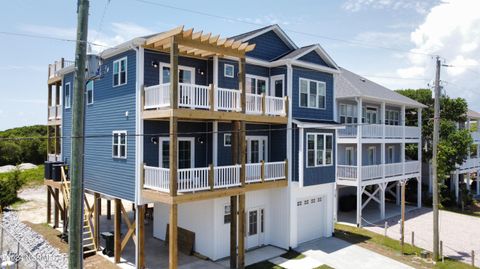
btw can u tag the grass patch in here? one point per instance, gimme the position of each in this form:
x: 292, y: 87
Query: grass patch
x: 31, y: 177
x: 391, y: 248
x: 18, y: 203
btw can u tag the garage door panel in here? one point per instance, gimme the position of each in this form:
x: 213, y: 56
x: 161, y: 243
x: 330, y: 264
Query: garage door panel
x: 309, y: 219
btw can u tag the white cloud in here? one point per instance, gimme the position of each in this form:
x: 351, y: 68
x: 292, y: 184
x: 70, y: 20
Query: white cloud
x: 272, y: 19
x: 452, y: 30
x: 420, y: 6
x: 383, y: 39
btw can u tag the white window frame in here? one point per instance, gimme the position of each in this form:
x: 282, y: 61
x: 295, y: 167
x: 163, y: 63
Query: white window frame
x: 256, y: 78
x: 192, y: 149
x: 353, y: 115
x: 119, y: 71
x: 374, y: 156
x: 92, y: 90
x: 392, y: 160
x: 180, y: 67
x: 68, y: 99
x: 272, y: 84
x: 225, y: 206
x: 391, y: 118
x: 324, y: 154
x: 225, y: 66
x: 119, y: 133
x: 369, y: 110
x: 225, y: 140
x: 308, y: 94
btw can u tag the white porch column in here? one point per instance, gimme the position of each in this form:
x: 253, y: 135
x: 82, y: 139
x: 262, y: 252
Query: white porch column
x: 468, y: 180
x: 215, y: 81
x: 456, y: 185
x: 359, y: 162
x: 215, y: 143
x: 419, y: 191
x: 382, y: 187
x: 301, y: 155
x: 359, y: 205
x: 478, y: 182
x: 382, y: 145
x: 402, y: 146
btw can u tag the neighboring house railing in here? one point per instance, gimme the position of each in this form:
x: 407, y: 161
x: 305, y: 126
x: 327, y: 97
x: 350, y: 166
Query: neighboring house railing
x: 208, y: 178
x: 53, y: 157
x: 55, y: 112
x: 470, y: 163
x: 376, y: 131
x: 218, y: 99
x: 370, y: 172
x: 56, y: 66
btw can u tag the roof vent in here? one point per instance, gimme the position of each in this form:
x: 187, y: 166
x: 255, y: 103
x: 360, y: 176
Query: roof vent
x: 362, y: 79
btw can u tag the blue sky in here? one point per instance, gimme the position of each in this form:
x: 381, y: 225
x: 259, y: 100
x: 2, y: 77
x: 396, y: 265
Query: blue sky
x: 403, y: 25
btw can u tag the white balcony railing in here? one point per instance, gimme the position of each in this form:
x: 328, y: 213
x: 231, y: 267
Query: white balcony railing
x: 347, y: 172
x: 470, y: 163
x: 275, y: 106
x: 393, y: 169
x: 193, y: 96
x: 59, y: 112
x: 377, y: 131
x: 54, y: 157
x: 370, y: 172
x: 412, y: 167
x: 227, y: 99
x: 198, y: 179
x: 157, y: 96
x: 52, y: 112
x: 254, y: 103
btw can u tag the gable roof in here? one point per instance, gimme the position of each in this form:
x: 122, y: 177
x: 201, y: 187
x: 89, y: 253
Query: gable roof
x: 274, y: 27
x: 300, y: 52
x: 350, y: 84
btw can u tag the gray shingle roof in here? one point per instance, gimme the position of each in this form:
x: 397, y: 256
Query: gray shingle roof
x: 296, y: 52
x: 350, y: 84
x: 473, y: 114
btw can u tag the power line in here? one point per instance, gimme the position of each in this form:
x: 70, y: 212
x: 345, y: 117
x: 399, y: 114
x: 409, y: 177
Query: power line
x: 51, y: 38
x: 100, y: 25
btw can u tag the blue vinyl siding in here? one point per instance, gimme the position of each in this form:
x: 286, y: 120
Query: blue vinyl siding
x: 268, y: 46
x: 67, y: 121
x: 313, y: 57
x: 312, y: 175
x: 103, y: 173
x: 226, y: 82
x: 311, y: 113
x: 152, y: 74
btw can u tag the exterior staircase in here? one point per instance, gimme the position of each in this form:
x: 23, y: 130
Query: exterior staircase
x: 88, y: 241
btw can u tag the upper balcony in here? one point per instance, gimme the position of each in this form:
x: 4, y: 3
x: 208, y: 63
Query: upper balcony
x: 214, y: 181
x: 53, y: 76
x: 379, y: 131
x: 350, y: 175
x: 470, y: 164
x: 54, y: 115
x: 211, y: 102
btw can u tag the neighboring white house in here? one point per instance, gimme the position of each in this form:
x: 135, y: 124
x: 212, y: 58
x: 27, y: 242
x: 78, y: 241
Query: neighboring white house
x: 371, y: 159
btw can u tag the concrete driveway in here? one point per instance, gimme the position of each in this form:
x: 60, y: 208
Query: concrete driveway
x: 460, y: 233
x: 340, y: 254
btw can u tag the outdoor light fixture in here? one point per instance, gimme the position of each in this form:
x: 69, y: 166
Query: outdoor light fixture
x: 154, y: 64
x: 154, y: 140
x: 201, y: 72
x: 200, y: 140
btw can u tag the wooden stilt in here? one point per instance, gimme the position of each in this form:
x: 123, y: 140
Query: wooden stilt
x: 96, y: 219
x: 109, y: 209
x: 173, y: 237
x: 117, y: 231
x: 233, y: 232
x: 65, y: 215
x: 57, y: 209
x: 241, y: 231
x: 49, y: 206
x: 141, y: 237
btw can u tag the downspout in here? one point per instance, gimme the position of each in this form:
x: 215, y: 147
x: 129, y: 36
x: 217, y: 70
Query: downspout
x: 291, y: 213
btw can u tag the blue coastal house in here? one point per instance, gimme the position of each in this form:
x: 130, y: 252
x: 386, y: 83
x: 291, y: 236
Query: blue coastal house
x: 223, y: 136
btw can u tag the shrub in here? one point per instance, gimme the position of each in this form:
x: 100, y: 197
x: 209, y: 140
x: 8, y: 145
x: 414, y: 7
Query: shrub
x: 9, y: 187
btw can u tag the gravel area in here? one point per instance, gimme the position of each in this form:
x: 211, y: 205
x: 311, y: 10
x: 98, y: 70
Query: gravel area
x: 460, y: 233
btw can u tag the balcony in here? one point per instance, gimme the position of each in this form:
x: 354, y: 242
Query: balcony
x: 214, y: 99
x: 54, y: 157
x: 54, y: 114
x: 470, y: 163
x: 56, y: 66
x: 212, y: 178
x: 380, y: 131
x: 379, y: 171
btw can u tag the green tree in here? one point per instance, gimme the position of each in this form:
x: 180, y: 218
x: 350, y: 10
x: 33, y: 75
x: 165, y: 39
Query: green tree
x: 32, y: 148
x: 454, y: 143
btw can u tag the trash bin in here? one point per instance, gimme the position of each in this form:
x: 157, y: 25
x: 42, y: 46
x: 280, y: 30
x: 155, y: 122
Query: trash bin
x: 57, y: 171
x: 109, y: 243
x: 48, y: 170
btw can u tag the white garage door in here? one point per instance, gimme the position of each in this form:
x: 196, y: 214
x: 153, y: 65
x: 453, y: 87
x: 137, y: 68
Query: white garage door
x: 310, y: 219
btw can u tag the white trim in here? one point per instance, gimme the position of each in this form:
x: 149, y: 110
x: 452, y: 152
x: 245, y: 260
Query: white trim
x: 277, y: 30
x: 320, y: 52
x: 301, y: 161
x: 324, y: 154
x: 69, y: 95
x: 393, y: 154
x: 374, y: 161
x: 119, y: 71
x: 260, y: 139
x: 302, y: 124
x: 347, y: 149
x: 308, y: 93
x: 180, y: 67
x: 139, y: 128
x: 192, y: 149
x: 249, y: 76
x: 272, y: 85
x: 215, y: 143
x: 86, y: 92
x: 225, y: 70
x: 119, y: 133
x: 225, y: 139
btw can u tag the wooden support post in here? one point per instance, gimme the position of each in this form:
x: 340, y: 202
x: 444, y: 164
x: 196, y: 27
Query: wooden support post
x: 235, y: 141
x: 57, y: 209
x: 109, y: 209
x: 243, y: 152
x: 173, y: 120
x: 65, y: 215
x: 173, y: 156
x: 241, y: 231
x: 141, y: 237
x: 233, y: 231
x: 211, y: 176
x: 173, y: 238
x: 241, y: 84
x: 49, y: 206
x: 96, y: 219
x: 117, y: 231
x: 264, y: 104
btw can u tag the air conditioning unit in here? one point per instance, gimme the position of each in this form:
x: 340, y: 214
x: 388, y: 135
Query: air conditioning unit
x: 93, y: 66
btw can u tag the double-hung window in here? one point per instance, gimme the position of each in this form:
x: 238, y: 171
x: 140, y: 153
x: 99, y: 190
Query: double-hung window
x: 256, y: 85
x: 119, y: 144
x: 392, y: 117
x: 229, y: 71
x: 120, y: 72
x: 319, y: 149
x: 90, y: 93
x: 68, y: 95
x: 312, y: 93
x: 348, y: 113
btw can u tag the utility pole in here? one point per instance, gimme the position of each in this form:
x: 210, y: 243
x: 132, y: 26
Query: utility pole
x: 436, y: 130
x: 75, y: 231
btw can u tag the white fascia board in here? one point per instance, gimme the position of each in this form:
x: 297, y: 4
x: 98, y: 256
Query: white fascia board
x: 307, y: 125
x: 122, y: 47
x: 315, y: 67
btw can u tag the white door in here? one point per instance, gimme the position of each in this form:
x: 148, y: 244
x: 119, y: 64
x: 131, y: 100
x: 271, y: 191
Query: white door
x: 278, y: 86
x: 310, y: 219
x: 256, y: 149
x: 186, y: 152
x: 255, y: 227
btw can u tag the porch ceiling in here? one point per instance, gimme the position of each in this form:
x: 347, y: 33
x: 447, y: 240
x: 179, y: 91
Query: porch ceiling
x: 198, y: 44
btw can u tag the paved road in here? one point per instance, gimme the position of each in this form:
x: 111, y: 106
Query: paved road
x: 460, y: 233
x: 340, y: 254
